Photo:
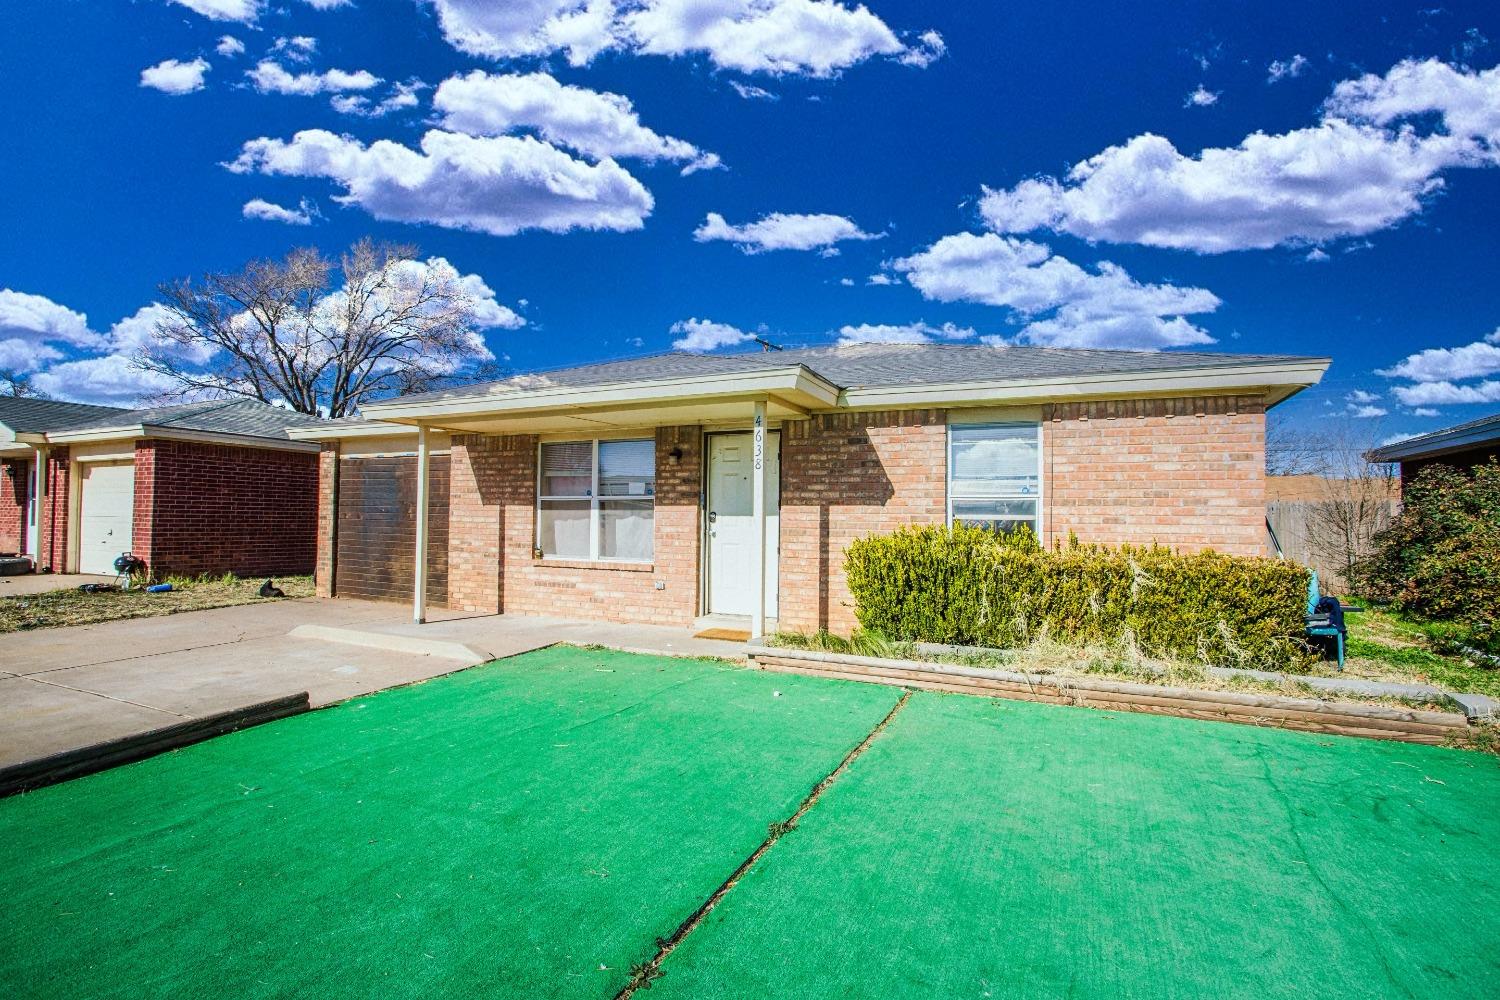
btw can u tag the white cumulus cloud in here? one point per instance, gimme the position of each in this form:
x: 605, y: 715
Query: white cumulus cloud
x: 171, y: 76
x: 812, y: 37
x: 750, y: 92
x: 1064, y: 304
x: 905, y: 333
x: 1442, y: 364
x: 243, y: 11
x: 270, y: 77
x: 807, y: 37
x: 1286, y: 69
x: 706, y: 335
x: 1447, y: 393
x: 402, y: 97
x: 111, y: 380
x: 784, y: 231
x: 269, y: 211
x: 593, y: 123
x: 297, y: 48
x: 1201, y: 97
x: 229, y: 47
x: 580, y: 28
x: 1365, y: 167
x: 37, y: 319
x: 499, y: 185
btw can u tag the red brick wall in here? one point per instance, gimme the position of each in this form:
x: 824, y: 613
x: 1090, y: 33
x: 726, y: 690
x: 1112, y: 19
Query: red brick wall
x: 843, y: 476
x: 1183, y: 472
x: 492, y: 535
x: 217, y: 508
x: 1189, y: 472
x: 55, y: 515
x: 14, y: 489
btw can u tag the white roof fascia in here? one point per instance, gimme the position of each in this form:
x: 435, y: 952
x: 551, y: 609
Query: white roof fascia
x: 1267, y: 378
x: 793, y: 379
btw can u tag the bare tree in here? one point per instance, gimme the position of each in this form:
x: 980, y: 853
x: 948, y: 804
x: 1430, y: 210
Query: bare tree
x: 1290, y: 451
x: 15, y: 383
x: 1343, y: 501
x: 288, y: 331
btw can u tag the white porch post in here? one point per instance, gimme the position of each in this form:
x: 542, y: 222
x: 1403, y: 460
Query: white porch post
x: 38, y: 506
x: 758, y: 510
x: 419, y: 591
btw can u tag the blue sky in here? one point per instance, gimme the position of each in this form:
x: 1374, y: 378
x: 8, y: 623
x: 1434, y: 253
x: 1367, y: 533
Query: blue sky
x: 761, y: 161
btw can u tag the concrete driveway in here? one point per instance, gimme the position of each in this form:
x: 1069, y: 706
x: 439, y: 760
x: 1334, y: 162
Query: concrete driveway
x: 70, y: 687
x: 41, y: 583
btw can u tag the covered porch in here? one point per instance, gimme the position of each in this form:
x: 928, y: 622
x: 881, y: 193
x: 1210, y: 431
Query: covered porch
x: 547, y: 493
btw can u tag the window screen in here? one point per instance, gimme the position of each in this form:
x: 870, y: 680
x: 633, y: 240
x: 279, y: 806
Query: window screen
x: 596, y: 500
x: 994, y: 475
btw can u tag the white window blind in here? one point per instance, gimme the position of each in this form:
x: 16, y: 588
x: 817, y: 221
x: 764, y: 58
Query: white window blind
x: 995, y: 475
x: 596, y: 500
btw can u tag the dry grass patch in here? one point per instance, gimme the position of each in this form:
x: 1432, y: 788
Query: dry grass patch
x: 58, y: 608
x: 1121, y: 661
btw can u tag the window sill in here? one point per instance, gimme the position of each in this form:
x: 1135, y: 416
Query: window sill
x: 605, y: 564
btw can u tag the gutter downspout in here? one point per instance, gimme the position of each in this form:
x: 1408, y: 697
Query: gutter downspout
x: 419, y: 590
x: 39, y: 506
x: 758, y: 519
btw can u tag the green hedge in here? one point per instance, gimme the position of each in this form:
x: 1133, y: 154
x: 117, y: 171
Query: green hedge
x: 1440, y: 559
x: 967, y: 586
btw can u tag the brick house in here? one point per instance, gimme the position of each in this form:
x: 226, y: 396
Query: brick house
x: 670, y: 488
x: 1462, y: 447
x: 198, y: 488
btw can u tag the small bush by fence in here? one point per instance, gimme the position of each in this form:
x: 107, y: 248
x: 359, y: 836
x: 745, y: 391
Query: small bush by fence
x: 968, y: 586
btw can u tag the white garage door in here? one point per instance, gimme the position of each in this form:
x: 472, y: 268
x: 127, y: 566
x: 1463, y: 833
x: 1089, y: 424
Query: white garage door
x: 108, y: 503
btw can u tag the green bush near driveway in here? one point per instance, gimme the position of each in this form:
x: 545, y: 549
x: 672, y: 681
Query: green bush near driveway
x: 969, y: 586
x: 1440, y: 560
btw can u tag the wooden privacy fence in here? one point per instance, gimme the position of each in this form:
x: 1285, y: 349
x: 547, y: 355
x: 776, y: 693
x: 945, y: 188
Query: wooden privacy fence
x: 1313, y: 534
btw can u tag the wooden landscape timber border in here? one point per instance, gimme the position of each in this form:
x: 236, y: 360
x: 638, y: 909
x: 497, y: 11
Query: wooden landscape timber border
x: 1372, y: 721
x: 76, y: 763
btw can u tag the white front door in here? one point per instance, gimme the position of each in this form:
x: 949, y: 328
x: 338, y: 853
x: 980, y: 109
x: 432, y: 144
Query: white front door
x: 731, y: 527
x: 107, y: 508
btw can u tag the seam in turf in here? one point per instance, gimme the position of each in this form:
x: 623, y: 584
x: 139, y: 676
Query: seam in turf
x: 643, y: 973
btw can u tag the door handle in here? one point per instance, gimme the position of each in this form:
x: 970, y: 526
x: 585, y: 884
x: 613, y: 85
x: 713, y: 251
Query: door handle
x: 713, y: 517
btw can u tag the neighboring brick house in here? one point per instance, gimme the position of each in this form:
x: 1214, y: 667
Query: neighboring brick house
x: 1462, y: 447
x: 208, y: 487
x: 627, y: 490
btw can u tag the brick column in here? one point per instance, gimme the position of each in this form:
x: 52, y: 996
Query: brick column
x: 54, y: 541
x: 328, y: 518
x: 490, y: 475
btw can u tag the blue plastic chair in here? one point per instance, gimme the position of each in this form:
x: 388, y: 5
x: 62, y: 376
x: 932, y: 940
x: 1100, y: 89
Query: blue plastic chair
x: 1329, y: 631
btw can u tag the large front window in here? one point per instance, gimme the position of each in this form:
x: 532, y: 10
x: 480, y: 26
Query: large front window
x: 995, y: 475
x: 595, y: 499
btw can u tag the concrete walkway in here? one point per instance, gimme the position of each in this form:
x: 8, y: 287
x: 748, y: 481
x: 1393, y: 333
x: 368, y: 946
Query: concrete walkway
x: 65, y: 688
x: 480, y: 638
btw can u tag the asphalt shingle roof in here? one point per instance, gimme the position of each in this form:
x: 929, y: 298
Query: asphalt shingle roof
x: 247, y: 417
x: 1412, y: 446
x: 38, y: 416
x: 869, y: 366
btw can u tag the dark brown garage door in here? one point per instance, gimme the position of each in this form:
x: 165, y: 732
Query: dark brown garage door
x: 377, y: 529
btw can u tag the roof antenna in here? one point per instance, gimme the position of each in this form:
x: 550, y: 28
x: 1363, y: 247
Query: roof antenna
x: 766, y: 345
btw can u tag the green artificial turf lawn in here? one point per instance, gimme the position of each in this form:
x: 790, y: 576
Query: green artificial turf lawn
x: 1000, y: 849
x: 505, y: 831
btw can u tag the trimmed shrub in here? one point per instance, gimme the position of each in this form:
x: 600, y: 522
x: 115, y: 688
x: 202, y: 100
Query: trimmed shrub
x: 1440, y: 560
x: 965, y: 585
